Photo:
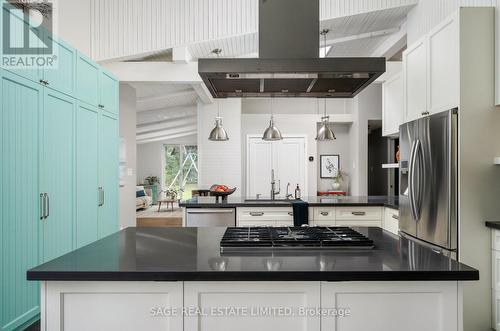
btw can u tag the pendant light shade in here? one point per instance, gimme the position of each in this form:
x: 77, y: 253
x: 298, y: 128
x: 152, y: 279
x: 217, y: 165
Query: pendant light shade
x: 272, y: 133
x: 324, y: 132
x: 218, y: 133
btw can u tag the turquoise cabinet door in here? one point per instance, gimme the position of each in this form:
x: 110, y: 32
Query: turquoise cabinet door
x: 57, y: 173
x: 62, y: 77
x: 87, y: 174
x: 20, y: 110
x: 87, y: 81
x: 16, y: 27
x: 108, y: 175
x: 108, y: 89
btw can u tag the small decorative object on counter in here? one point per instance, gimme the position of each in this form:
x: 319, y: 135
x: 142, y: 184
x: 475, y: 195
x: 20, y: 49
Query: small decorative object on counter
x: 398, y: 155
x: 298, y: 193
x: 221, y: 191
x: 338, y: 179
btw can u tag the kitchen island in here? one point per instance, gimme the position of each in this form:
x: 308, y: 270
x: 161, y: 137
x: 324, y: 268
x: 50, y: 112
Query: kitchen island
x: 178, y: 279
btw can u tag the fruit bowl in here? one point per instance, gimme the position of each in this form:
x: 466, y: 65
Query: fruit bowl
x: 221, y: 191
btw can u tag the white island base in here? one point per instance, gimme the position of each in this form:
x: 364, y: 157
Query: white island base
x: 252, y: 306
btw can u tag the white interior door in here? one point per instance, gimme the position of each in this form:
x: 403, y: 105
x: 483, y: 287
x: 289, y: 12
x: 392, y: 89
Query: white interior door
x: 259, y: 165
x: 288, y: 159
x: 289, y: 164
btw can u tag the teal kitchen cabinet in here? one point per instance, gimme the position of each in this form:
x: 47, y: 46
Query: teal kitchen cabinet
x: 108, y: 92
x: 62, y: 77
x: 87, y: 83
x: 21, y: 109
x: 17, y: 27
x: 57, y: 174
x: 87, y: 174
x: 108, y: 175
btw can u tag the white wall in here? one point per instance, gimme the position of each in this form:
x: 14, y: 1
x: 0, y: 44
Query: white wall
x: 219, y: 162
x: 127, y: 134
x: 150, y: 161
x: 341, y: 147
x: 428, y: 13
x: 72, y: 24
x: 367, y: 106
x: 299, y: 116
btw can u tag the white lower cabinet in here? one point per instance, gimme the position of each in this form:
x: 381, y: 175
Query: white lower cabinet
x: 391, y: 220
x: 391, y: 306
x: 124, y: 306
x: 358, y: 216
x: 495, y: 279
x: 264, y: 216
x: 255, y: 301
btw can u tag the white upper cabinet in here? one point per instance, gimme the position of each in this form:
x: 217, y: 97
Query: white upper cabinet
x: 415, y: 80
x: 431, y: 70
x: 392, y: 105
x: 443, y: 66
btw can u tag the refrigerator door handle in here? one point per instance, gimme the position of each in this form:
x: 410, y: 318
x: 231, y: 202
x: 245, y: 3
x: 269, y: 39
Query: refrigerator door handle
x: 411, y: 174
x: 418, y: 192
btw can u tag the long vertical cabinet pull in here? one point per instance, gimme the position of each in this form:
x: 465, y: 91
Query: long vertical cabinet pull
x: 47, y: 199
x: 42, y: 206
x: 103, y: 197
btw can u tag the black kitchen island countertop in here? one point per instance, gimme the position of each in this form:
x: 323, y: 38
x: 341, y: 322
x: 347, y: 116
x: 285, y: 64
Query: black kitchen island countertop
x: 325, y: 201
x: 193, y: 254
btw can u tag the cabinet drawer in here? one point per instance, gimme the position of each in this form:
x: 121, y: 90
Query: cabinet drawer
x: 391, y: 220
x: 266, y: 213
x: 358, y: 213
x: 359, y: 223
x: 495, y: 240
x: 324, y: 214
x: 256, y: 223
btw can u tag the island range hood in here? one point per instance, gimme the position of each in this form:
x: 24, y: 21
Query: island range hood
x: 289, y: 64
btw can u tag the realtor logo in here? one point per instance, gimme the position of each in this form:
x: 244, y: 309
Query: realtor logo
x: 27, y: 27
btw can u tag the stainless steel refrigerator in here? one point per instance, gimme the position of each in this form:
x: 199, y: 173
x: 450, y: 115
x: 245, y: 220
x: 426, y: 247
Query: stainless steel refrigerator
x: 428, y: 181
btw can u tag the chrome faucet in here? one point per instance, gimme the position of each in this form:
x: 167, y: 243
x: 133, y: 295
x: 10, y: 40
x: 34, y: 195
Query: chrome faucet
x: 288, y: 195
x: 274, y: 193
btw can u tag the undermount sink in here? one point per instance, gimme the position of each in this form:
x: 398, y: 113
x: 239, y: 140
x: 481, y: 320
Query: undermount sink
x: 268, y: 200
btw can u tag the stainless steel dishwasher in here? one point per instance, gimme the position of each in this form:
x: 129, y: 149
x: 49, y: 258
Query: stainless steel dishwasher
x: 201, y: 217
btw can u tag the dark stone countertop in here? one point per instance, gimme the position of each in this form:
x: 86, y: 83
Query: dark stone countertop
x: 493, y: 224
x: 210, y: 202
x: 193, y: 254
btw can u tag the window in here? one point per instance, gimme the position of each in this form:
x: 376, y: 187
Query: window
x: 181, y: 169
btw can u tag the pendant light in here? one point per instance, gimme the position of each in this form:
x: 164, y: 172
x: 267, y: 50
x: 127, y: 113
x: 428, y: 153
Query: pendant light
x: 218, y: 133
x: 272, y: 133
x: 324, y: 132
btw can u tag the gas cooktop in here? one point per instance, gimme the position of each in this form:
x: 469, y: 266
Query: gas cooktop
x: 320, y: 237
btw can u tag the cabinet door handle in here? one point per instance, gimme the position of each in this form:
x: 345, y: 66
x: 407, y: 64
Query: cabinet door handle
x: 99, y: 189
x: 257, y: 213
x: 42, y: 206
x: 290, y: 213
x: 47, y: 202
x: 324, y: 213
x: 103, y: 197
x: 358, y: 213
x: 396, y: 217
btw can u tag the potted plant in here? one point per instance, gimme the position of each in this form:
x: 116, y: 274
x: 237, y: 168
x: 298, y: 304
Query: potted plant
x: 338, y: 180
x: 152, y: 180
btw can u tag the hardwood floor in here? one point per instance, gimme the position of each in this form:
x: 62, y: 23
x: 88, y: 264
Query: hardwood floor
x: 164, y: 218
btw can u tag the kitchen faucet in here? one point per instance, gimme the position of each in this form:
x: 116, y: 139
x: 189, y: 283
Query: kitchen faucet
x: 288, y: 195
x: 273, y: 186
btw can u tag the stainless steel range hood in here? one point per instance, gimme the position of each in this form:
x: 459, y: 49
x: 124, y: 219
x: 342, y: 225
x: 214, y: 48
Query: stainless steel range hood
x: 289, y: 64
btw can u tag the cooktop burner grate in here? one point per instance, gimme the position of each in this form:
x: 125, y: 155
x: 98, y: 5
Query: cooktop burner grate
x: 293, y: 237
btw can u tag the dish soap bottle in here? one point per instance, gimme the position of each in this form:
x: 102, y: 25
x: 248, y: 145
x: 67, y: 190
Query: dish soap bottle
x: 298, y: 194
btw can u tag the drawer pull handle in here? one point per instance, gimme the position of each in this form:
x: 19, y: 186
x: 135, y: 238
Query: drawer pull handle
x: 290, y: 213
x: 396, y: 217
x: 358, y: 213
x: 256, y: 213
x: 324, y: 213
